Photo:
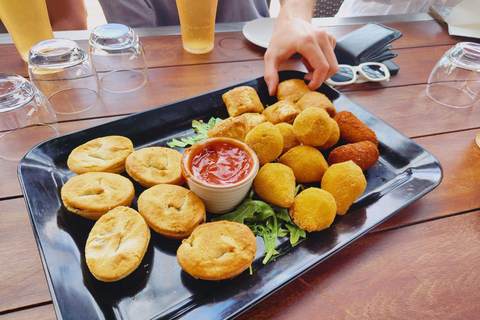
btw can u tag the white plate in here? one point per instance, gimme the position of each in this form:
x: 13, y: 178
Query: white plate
x: 259, y: 31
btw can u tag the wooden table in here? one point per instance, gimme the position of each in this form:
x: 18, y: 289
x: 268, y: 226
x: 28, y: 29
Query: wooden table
x: 423, y: 263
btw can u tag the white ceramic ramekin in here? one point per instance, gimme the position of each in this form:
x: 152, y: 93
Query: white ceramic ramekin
x: 219, y: 198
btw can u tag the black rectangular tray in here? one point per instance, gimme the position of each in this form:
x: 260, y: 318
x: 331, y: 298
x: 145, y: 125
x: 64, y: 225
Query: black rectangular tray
x: 159, y: 289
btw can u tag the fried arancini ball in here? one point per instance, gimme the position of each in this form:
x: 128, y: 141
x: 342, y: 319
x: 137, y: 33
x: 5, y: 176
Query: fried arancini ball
x: 235, y: 128
x: 292, y: 89
x: 253, y: 119
x: 317, y: 100
x: 307, y: 163
x: 364, y: 153
x: 312, y: 127
x: 275, y: 184
x: 242, y: 99
x: 346, y: 182
x: 333, y: 138
x: 289, y: 140
x: 313, y: 209
x: 281, y: 111
x: 267, y: 142
x: 353, y: 129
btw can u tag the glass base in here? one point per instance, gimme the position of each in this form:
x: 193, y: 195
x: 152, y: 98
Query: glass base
x: 28, y: 136
x: 450, y: 96
x: 118, y: 81
x: 198, y: 51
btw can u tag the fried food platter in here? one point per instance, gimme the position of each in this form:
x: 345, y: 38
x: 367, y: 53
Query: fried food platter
x: 159, y: 289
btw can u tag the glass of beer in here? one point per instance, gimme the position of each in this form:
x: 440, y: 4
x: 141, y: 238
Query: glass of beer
x: 197, y: 21
x: 27, y: 23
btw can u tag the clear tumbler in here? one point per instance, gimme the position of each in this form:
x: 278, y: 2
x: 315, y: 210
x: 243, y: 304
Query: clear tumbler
x: 118, y: 58
x: 26, y: 117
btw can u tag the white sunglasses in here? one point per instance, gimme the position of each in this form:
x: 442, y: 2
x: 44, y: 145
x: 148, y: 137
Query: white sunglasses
x: 369, y: 71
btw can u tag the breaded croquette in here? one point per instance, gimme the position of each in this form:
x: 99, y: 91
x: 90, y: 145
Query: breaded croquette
x: 364, y: 153
x: 292, y: 89
x: 242, y: 99
x: 312, y: 127
x: 346, y: 182
x: 281, y: 111
x: 289, y: 140
x: 235, y: 128
x: 353, y: 129
x: 313, y: 209
x: 317, y: 100
x: 307, y: 163
x: 275, y: 184
x: 267, y: 142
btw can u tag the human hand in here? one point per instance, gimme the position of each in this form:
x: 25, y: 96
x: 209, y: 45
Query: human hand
x: 296, y: 35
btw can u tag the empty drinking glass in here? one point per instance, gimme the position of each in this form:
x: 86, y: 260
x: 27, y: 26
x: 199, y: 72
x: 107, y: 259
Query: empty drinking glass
x: 118, y: 58
x: 62, y: 71
x: 455, y: 79
x: 26, y: 117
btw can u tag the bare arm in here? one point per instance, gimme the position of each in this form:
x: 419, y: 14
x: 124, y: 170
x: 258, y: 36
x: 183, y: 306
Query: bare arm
x: 67, y: 14
x: 294, y: 33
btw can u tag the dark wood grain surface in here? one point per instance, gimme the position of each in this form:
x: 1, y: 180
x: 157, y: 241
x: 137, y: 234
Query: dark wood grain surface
x: 420, y: 264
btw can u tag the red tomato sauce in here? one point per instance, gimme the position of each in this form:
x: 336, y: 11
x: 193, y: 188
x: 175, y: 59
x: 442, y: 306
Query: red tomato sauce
x: 221, y: 163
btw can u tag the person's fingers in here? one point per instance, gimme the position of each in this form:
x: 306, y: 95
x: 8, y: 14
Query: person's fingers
x: 271, y: 71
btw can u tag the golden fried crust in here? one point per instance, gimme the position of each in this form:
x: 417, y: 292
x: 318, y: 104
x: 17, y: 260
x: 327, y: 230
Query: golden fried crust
x: 316, y: 99
x: 346, y: 182
x: 171, y: 210
x: 289, y: 140
x: 364, y: 153
x: 275, y: 184
x: 307, y: 163
x: 312, y: 127
x: 281, y: 111
x: 353, y: 129
x: 155, y: 165
x: 105, y: 154
x: 253, y: 119
x: 313, y: 209
x: 235, y: 128
x: 93, y: 194
x: 292, y: 89
x: 116, y: 244
x: 333, y: 138
x: 267, y: 142
x: 243, y: 99
x: 217, y: 250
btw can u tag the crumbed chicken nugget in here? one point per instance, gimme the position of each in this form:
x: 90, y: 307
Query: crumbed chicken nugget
x: 317, y: 100
x: 346, y: 182
x: 353, y: 129
x: 312, y: 127
x: 233, y: 127
x: 313, y: 209
x: 253, y: 119
x: 289, y: 140
x: 292, y: 89
x: 333, y: 138
x: 307, y: 163
x: 364, y: 153
x: 242, y: 99
x: 281, y: 111
x: 275, y: 184
x: 267, y: 142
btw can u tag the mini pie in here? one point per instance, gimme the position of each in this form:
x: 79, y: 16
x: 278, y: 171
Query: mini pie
x: 155, y: 165
x: 172, y: 211
x: 281, y: 111
x: 105, y: 154
x: 292, y: 89
x: 117, y: 244
x: 93, y: 194
x: 242, y: 99
x: 217, y: 250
